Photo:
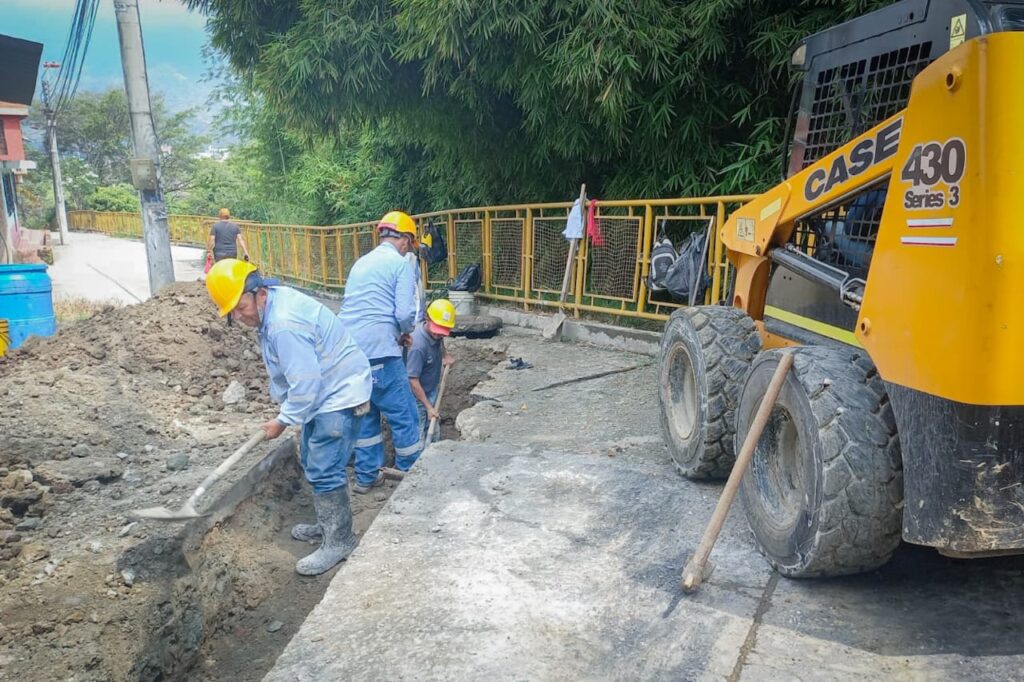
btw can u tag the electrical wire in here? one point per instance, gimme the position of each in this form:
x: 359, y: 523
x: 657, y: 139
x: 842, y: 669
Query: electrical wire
x: 69, y: 74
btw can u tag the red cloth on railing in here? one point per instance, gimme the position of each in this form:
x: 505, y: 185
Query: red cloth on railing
x: 593, y: 226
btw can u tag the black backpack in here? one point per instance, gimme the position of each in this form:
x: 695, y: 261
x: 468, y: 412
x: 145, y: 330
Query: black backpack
x: 432, y: 247
x: 468, y: 280
x: 687, y: 279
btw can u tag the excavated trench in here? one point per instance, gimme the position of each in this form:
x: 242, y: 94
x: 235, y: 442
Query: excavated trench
x: 229, y: 598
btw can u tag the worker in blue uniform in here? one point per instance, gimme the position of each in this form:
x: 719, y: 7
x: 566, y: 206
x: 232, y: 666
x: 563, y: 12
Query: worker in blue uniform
x: 380, y: 310
x: 322, y: 382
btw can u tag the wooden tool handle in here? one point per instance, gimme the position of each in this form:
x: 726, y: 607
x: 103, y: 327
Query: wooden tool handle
x: 215, y: 475
x: 437, y: 405
x: 693, y: 574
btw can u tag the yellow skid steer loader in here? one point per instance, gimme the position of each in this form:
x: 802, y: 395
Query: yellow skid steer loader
x: 890, y: 262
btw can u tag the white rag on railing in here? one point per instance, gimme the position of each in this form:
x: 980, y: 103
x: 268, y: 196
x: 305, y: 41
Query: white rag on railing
x: 574, y: 224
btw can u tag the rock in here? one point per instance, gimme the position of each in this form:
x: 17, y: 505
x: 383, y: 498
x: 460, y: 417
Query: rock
x: 16, y: 480
x: 166, y: 489
x: 61, y: 476
x: 234, y: 393
x: 9, y: 537
x: 128, y: 577
x: 18, y: 501
x: 232, y: 364
x: 149, y: 446
x: 95, y: 547
x: 50, y: 568
x: 28, y: 523
x: 81, y: 450
x: 219, y: 373
x: 32, y: 552
x: 379, y: 497
x: 122, y: 456
x: 194, y: 391
x: 177, y: 462
x: 274, y: 626
x: 91, y: 486
x: 215, y: 331
x: 42, y: 628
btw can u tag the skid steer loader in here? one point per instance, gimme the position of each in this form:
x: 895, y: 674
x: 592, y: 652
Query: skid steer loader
x: 890, y: 262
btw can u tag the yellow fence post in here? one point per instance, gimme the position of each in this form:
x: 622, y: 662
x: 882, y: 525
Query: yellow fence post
x: 527, y: 267
x: 452, y: 264
x: 716, y: 276
x: 485, y: 247
x: 646, y: 240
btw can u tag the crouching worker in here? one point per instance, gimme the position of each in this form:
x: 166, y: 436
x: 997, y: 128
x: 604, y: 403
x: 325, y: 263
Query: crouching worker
x: 426, y: 357
x: 322, y: 383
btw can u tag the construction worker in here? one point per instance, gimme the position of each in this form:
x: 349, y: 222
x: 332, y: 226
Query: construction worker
x: 225, y: 238
x: 379, y: 310
x: 320, y: 379
x: 424, y: 361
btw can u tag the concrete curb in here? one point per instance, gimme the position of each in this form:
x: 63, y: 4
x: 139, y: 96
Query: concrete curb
x: 580, y: 331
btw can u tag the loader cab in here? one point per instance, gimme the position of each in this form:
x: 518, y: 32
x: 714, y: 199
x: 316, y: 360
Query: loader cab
x: 854, y: 76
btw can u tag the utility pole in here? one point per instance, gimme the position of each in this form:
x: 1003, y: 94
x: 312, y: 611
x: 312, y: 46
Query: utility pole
x: 51, y: 141
x: 146, y: 164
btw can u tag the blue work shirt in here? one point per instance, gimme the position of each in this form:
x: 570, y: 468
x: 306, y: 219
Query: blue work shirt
x: 314, y: 365
x: 380, y: 302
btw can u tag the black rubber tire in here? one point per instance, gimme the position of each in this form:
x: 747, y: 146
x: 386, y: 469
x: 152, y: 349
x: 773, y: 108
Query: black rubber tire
x: 477, y: 326
x: 705, y: 354
x: 824, y: 490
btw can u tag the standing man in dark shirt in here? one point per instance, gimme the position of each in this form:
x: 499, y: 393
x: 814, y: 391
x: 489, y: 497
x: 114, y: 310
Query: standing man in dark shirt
x: 225, y: 238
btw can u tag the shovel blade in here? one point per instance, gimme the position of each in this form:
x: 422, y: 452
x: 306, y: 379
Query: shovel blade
x: 165, y: 514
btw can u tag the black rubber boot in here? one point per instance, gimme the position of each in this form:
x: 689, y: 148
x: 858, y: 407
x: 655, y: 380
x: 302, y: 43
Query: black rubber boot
x: 334, y: 516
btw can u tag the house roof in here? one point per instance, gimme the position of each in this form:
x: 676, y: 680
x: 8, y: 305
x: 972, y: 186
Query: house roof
x: 20, y: 59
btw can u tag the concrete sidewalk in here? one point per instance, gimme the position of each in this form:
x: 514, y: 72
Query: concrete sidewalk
x: 548, y: 546
x: 105, y: 269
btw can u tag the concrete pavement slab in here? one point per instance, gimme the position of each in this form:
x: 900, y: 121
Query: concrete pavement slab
x: 106, y: 269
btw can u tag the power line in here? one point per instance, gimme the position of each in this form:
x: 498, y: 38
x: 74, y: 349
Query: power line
x: 65, y: 85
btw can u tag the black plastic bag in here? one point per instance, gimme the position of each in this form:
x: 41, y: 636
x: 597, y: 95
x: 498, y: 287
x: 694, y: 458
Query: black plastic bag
x: 468, y: 280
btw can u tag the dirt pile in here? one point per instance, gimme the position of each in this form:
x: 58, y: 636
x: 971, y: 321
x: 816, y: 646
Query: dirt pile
x: 127, y: 409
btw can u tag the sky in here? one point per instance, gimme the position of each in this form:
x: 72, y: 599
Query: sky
x: 173, y: 38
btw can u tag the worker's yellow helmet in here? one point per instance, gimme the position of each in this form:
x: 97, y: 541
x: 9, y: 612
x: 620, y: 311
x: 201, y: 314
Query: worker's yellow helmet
x: 226, y: 282
x: 441, y: 317
x: 399, y: 222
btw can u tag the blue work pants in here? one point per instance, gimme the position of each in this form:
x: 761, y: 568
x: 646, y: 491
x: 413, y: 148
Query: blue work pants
x: 326, y: 449
x: 393, y: 398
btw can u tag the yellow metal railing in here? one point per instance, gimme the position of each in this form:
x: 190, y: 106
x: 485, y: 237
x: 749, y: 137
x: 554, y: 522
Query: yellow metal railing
x: 520, y: 249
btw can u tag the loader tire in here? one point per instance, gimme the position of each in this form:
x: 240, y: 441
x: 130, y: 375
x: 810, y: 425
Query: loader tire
x: 705, y: 353
x: 824, y: 490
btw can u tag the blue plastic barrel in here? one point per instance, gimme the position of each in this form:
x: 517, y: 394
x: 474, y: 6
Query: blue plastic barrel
x: 26, y: 301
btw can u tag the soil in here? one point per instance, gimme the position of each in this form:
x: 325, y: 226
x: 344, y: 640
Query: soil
x: 125, y: 410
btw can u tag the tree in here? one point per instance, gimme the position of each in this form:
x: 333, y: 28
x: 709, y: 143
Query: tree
x: 96, y: 130
x: 119, y: 197
x: 517, y: 100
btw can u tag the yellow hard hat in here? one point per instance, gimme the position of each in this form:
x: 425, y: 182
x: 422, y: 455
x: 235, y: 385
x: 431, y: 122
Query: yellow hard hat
x: 441, y: 314
x: 226, y: 282
x: 396, y: 221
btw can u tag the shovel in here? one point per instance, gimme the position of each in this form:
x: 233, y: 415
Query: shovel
x: 188, y: 510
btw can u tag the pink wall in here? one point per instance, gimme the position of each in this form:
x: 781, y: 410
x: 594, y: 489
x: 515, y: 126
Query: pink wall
x: 12, y: 133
